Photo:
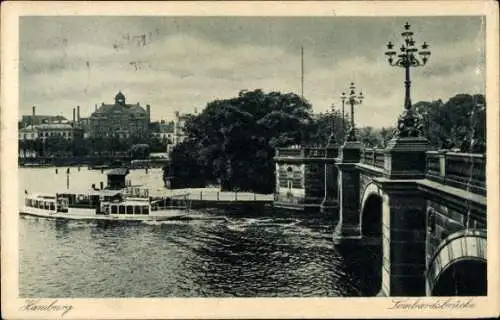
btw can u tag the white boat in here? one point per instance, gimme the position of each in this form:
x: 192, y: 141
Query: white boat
x: 116, y: 202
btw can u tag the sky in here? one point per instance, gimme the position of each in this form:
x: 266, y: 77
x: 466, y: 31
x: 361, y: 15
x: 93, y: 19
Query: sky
x: 182, y: 63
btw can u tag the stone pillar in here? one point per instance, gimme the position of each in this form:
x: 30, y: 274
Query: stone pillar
x: 330, y: 204
x: 405, y: 158
x: 403, y: 240
x: 348, y: 226
x: 404, y: 218
x: 314, y: 177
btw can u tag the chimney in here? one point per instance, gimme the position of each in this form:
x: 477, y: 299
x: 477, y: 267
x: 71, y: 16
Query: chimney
x: 96, y: 107
x: 148, y: 112
x: 78, y: 114
x: 73, y: 117
x: 34, y: 116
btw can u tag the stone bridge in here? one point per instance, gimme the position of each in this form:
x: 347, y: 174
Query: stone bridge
x: 426, y: 210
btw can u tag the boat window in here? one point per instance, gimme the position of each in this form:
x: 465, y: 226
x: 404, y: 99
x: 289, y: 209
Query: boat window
x: 121, y: 209
x: 137, y: 209
x: 145, y: 210
x: 52, y: 206
x: 130, y: 210
x: 114, y: 210
x: 26, y: 202
x: 46, y: 205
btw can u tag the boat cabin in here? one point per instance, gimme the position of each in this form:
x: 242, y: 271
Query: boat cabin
x: 41, y: 201
x: 116, y: 178
x: 129, y: 208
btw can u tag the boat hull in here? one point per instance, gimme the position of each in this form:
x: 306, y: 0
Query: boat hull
x: 91, y: 216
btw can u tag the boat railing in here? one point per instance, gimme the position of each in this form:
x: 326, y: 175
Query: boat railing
x: 175, y: 202
x: 136, y: 192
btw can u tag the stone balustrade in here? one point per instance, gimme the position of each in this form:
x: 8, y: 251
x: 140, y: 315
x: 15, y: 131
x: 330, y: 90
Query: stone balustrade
x: 304, y: 152
x: 289, y: 198
x: 289, y: 152
x: 466, y: 171
x: 374, y: 157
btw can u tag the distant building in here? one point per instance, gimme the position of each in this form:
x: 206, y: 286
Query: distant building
x: 46, y: 130
x: 164, y: 131
x: 179, y: 127
x: 39, y: 119
x: 299, y: 178
x: 120, y: 119
x: 32, y: 135
x: 85, y: 125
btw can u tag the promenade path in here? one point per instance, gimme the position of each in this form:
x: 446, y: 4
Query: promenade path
x: 212, y: 194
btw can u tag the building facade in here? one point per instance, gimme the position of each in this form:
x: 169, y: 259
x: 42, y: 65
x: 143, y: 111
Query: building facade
x: 46, y: 130
x: 120, y: 120
x: 34, y: 139
x: 299, y: 178
x: 179, y: 123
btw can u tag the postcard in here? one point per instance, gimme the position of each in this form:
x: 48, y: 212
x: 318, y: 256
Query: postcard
x: 288, y: 159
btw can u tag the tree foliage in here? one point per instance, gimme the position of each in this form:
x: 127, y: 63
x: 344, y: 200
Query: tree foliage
x: 232, y: 141
x: 459, y: 123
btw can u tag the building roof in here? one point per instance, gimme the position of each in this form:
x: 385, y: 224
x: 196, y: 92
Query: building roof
x: 43, y: 117
x: 106, y: 109
x: 48, y: 126
x: 119, y: 107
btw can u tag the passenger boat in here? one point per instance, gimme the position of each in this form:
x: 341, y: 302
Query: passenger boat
x: 115, y: 202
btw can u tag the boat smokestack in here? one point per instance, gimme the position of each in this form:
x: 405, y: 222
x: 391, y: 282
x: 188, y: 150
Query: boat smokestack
x: 34, y: 116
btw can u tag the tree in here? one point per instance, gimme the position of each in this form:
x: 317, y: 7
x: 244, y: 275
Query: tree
x: 375, y: 137
x: 458, y: 123
x: 320, y: 128
x: 139, y: 151
x: 184, y: 168
x: 233, y: 140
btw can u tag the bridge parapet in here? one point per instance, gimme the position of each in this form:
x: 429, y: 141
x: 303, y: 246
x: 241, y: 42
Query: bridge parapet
x: 290, y: 152
x: 374, y: 157
x: 300, y: 153
x: 465, y: 171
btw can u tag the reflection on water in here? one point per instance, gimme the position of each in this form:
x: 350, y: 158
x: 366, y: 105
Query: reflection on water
x: 217, y: 254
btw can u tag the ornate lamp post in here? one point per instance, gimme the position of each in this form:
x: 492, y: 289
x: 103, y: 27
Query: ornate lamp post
x: 353, y: 100
x: 343, y: 97
x: 331, y: 138
x: 408, y: 57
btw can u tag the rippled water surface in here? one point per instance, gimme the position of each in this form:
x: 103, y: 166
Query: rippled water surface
x: 215, y: 254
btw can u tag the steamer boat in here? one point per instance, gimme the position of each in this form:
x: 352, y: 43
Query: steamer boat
x: 117, y: 201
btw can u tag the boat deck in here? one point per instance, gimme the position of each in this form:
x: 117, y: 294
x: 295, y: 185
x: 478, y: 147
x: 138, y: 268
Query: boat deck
x: 158, y: 216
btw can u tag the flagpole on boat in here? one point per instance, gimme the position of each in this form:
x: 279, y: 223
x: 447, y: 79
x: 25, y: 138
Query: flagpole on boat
x: 67, y: 179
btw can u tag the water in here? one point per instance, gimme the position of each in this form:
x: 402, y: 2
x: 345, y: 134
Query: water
x: 218, y: 254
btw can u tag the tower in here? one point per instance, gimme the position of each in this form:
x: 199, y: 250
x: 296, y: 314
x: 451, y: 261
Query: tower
x: 120, y: 98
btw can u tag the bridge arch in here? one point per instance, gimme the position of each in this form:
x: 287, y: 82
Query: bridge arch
x: 371, y: 211
x: 370, y: 220
x: 458, y: 268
